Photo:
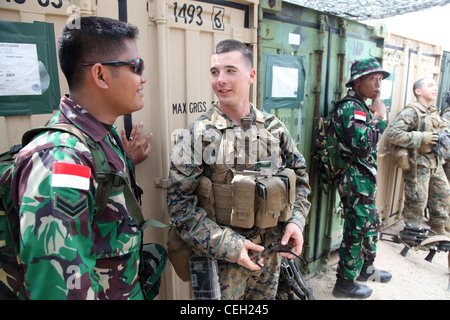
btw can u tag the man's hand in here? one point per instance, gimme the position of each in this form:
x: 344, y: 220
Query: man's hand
x: 378, y: 108
x: 430, y: 138
x: 294, y: 237
x: 139, y: 149
x: 245, y: 260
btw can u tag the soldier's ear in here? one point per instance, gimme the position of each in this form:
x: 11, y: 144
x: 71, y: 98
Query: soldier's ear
x: 418, y: 92
x: 100, y: 75
x: 252, y: 74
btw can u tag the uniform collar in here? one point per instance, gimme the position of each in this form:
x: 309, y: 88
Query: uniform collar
x: 354, y: 95
x: 423, y: 108
x: 86, y: 122
x: 221, y: 121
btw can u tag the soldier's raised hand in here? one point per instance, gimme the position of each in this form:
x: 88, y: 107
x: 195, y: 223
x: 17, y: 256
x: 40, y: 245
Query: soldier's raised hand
x: 430, y: 138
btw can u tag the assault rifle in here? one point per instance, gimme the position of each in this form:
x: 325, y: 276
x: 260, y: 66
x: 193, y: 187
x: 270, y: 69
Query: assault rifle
x: 417, y: 238
x: 291, y: 282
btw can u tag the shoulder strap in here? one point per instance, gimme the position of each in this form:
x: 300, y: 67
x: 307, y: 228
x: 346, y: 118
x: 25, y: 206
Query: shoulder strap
x: 362, y: 105
x: 418, y: 112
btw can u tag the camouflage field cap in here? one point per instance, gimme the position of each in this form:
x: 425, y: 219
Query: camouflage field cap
x: 363, y: 67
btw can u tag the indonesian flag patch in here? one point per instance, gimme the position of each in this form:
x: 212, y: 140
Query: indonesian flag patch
x: 359, y: 115
x: 71, y: 175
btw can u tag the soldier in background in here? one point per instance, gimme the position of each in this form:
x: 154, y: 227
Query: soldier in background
x: 359, y: 128
x: 212, y: 233
x: 416, y: 127
x: 446, y: 116
x: 66, y: 253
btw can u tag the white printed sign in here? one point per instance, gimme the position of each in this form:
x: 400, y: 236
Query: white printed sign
x: 19, y: 69
x: 285, y: 82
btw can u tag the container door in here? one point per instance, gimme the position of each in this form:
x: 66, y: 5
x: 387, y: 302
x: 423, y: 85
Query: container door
x: 48, y: 19
x: 312, y: 52
x: 176, y: 41
x: 444, y: 81
x: 408, y: 61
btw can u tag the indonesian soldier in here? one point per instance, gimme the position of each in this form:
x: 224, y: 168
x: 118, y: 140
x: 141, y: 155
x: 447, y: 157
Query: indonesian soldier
x: 66, y: 253
x: 255, y: 178
x: 416, y: 127
x: 359, y: 127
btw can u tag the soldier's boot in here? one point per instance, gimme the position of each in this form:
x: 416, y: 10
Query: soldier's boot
x: 348, y: 288
x: 440, y: 229
x: 370, y: 273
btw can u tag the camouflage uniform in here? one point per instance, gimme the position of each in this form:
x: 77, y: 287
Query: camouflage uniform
x: 446, y: 116
x: 66, y: 254
x: 431, y: 186
x: 358, y: 133
x: 222, y: 242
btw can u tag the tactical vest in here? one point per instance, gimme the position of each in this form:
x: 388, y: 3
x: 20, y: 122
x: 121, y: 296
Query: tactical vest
x: 428, y: 121
x: 251, y: 188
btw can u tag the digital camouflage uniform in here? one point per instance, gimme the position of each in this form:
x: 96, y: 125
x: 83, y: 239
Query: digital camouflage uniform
x: 431, y: 186
x: 358, y: 133
x: 446, y: 116
x: 221, y: 242
x: 66, y: 254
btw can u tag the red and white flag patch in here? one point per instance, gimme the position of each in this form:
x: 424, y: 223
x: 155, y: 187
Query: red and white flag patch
x: 359, y: 115
x: 71, y: 175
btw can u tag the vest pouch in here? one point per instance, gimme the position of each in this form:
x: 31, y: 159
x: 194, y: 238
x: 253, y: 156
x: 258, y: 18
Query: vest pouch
x: 401, y: 158
x: 222, y: 202
x: 179, y: 253
x: 289, y: 179
x: 205, y: 197
x: 271, y: 200
x: 221, y: 185
x: 243, y: 201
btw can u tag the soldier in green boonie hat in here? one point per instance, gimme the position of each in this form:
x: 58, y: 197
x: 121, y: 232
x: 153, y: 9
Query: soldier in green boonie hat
x: 363, y: 67
x: 359, y: 127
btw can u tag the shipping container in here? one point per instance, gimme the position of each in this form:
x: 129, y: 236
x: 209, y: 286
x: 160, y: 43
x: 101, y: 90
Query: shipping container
x: 407, y: 60
x: 176, y: 40
x: 444, y: 81
x: 313, y: 53
x: 312, y: 50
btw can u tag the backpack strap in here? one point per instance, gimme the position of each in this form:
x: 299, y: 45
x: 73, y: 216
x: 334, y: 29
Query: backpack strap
x: 420, y: 115
x: 337, y: 104
x: 350, y: 98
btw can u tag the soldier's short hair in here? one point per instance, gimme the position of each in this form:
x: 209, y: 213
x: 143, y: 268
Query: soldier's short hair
x: 235, y: 45
x: 419, y: 85
x: 97, y: 39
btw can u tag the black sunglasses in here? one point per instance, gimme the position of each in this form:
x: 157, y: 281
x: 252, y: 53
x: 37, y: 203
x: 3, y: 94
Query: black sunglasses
x: 137, y: 64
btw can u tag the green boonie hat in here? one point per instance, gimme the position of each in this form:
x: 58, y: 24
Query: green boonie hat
x: 363, y: 67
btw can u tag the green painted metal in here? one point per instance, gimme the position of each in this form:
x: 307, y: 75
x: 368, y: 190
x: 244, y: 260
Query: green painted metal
x: 444, y: 81
x: 327, y: 45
